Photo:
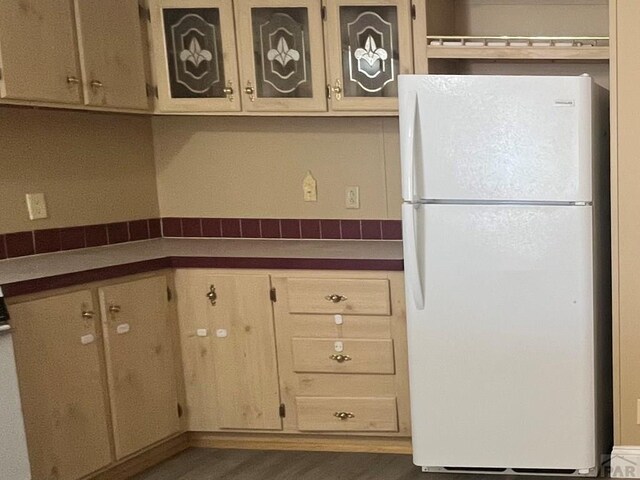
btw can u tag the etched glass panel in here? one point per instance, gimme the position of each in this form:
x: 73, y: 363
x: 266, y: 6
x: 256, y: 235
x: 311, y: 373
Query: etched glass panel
x: 370, y: 55
x: 281, y: 52
x: 194, y: 52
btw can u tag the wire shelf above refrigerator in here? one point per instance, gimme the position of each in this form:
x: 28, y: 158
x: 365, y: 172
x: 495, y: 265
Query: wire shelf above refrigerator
x: 518, y: 47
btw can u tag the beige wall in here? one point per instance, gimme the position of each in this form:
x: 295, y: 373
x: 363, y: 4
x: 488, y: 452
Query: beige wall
x: 254, y: 167
x: 92, y: 168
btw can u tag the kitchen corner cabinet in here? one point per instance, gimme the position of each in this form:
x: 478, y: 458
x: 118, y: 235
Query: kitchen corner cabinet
x: 228, y: 349
x: 369, y: 43
x: 194, y: 55
x: 281, y: 55
x: 96, y: 373
x: 140, y: 363
x: 44, y: 61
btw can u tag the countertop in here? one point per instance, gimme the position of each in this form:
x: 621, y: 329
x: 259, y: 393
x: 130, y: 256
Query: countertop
x: 54, y: 270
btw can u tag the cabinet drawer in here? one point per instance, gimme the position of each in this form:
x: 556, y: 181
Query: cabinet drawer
x: 318, y: 355
x: 347, y: 296
x: 362, y: 414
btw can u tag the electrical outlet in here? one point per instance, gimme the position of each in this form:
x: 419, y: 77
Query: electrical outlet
x: 37, y: 206
x: 352, y: 197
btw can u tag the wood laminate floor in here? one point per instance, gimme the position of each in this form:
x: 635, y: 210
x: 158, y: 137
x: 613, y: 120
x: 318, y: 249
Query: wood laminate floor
x: 209, y: 464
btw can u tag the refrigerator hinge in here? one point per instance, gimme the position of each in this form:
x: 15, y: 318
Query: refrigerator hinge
x: 282, y: 411
x: 323, y: 12
x: 413, y: 11
x: 272, y: 295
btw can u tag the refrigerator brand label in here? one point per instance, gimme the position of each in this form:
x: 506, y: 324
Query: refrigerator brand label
x: 565, y: 103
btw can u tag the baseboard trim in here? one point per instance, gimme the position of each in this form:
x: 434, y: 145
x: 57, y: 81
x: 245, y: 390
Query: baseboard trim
x: 141, y: 461
x: 625, y: 462
x: 312, y: 443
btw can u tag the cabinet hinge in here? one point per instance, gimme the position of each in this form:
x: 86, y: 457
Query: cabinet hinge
x: 283, y: 410
x: 323, y: 12
x: 413, y: 11
x: 145, y: 13
x: 272, y: 295
x: 180, y: 412
x: 0, y: 74
x: 169, y: 294
x: 152, y: 90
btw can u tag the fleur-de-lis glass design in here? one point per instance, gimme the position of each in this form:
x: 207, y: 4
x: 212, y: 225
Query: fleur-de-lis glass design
x: 282, y: 53
x: 195, y: 53
x: 370, y: 53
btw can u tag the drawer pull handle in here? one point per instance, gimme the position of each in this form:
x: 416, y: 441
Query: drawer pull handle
x: 335, y: 298
x: 338, y: 357
x: 344, y: 415
x: 113, y: 309
x: 88, y: 314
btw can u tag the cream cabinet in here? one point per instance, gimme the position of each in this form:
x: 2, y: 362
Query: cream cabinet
x: 73, y: 52
x: 281, y: 54
x: 38, y: 52
x: 97, y: 374
x: 64, y: 396
x: 140, y: 363
x: 297, y: 352
x: 194, y: 55
x: 228, y: 349
x: 369, y: 44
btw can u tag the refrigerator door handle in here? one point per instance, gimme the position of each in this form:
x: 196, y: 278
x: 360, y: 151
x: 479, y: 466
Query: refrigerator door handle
x: 408, y: 151
x: 411, y: 257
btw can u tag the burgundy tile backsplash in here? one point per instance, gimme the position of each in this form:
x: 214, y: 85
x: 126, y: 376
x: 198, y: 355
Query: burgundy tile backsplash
x: 53, y: 240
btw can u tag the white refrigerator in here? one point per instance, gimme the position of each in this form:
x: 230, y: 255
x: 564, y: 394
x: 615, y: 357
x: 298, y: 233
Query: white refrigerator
x: 507, y: 272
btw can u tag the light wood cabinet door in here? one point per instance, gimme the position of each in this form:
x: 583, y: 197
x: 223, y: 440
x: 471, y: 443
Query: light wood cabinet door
x: 140, y: 363
x: 228, y: 349
x: 281, y: 53
x: 112, y: 53
x: 62, y: 385
x: 38, y: 51
x: 369, y: 44
x: 194, y: 55
x: 626, y: 104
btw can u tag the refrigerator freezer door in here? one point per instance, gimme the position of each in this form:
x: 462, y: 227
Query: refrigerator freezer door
x: 496, y: 138
x: 501, y: 358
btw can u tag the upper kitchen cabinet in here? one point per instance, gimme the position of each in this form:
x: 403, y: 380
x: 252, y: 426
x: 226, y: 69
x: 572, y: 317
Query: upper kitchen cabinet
x: 112, y: 53
x: 369, y: 44
x: 194, y: 55
x: 281, y: 55
x: 43, y: 61
x: 38, y: 54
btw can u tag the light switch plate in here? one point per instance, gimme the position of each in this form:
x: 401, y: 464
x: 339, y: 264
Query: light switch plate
x: 310, y: 188
x: 37, y: 206
x: 352, y: 197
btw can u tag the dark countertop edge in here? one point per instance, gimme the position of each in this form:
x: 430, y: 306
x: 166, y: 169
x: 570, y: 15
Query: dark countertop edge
x: 105, y: 273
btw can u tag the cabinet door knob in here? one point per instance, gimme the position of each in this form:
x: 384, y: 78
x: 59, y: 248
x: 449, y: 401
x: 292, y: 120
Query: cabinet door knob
x: 87, y: 314
x: 114, y: 309
x: 344, y: 415
x: 337, y: 89
x: 73, y: 80
x: 212, y: 295
x: 340, y: 358
x: 335, y: 298
x: 96, y: 84
x: 228, y: 91
x: 249, y: 90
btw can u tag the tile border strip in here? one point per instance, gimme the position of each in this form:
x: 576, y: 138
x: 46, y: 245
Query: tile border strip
x: 21, y: 244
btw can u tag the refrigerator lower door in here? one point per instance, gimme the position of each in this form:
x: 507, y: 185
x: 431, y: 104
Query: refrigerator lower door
x: 501, y: 357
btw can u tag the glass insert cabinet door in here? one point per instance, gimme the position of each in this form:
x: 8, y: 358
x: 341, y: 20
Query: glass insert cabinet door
x: 369, y: 45
x: 194, y: 55
x: 281, y: 55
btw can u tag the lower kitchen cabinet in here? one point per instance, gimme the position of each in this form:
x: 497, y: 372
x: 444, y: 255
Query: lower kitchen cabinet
x: 229, y: 352
x: 64, y: 396
x: 97, y: 374
x: 140, y: 363
x: 298, y: 352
